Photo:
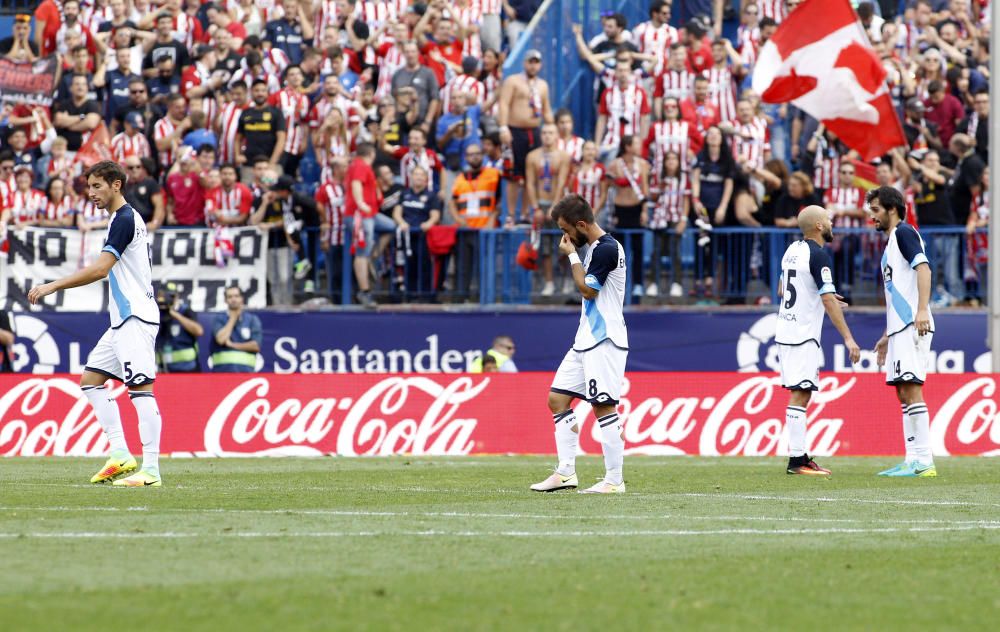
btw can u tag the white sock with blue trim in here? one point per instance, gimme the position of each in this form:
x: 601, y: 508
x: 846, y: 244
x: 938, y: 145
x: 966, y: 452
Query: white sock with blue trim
x: 567, y: 442
x: 106, y: 411
x: 613, y: 446
x: 149, y: 429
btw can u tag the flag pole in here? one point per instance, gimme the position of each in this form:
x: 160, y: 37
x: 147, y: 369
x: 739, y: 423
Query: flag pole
x: 993, y: 327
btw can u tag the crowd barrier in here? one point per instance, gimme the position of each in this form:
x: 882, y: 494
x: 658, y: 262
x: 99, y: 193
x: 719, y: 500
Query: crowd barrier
x: 355, y: 341
x: 728, y: 414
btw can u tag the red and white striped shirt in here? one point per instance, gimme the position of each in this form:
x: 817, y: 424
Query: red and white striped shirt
x: 774, y: 9
x: 58, y: 210
x: 163, y: 129
x: 295, y: 108
x: 665, y: 137
x: 234, y: 203
x: 674, y: 83
x: 655, y: 41
x: 428, y: 159
x: 187, y: 30
x: 586, y: 182
x: 462, y: 83
x: 330, y: 199
x: 26, y: 206
x: 90, y: 213
x: 229, y: 122
x: 722, y: 91
x: 624, y: 109
x: 670, y: 204
x: 247, y: 78
x: 376, y: 13
x: 492, y: 83
x: 326, y: 15
x: 336, y: 146
x: 750, y: 143
x: 747, y: 38
x: 6, y: 189
x: 472, y: 46
x: 390, y: 59
x: 826, y: 167
x: 123, y: 146
x: 489, y: 7
x: 848, y: 198
x: 349, y: 110
x: 196, y: 76
x: 572, y: 146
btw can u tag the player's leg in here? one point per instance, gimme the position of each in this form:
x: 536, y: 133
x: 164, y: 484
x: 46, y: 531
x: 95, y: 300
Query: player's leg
x: 134, y: 343
x: 800, y: 374
x: 906, y: 359
x: 102, y: 364
x: 566, y: 386
x: 604, y: 372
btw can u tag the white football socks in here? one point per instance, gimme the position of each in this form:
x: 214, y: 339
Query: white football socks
x: 567, y: 442
x: 149, y: 428
x: 106, y: 411
x: 613, y: 446
x: 909, y: 433
x: 921, y: 421
x: 795, y: 419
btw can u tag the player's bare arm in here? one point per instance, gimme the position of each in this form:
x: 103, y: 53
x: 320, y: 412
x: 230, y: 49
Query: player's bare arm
x: 922, y: 321
x: 834, y: 309
x: 94, y: 272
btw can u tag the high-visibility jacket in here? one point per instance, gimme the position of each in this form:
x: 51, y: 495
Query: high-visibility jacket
x: 476, y: 197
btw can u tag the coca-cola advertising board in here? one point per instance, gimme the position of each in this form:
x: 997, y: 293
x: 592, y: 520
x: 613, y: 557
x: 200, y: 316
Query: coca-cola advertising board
x: 375, y: 415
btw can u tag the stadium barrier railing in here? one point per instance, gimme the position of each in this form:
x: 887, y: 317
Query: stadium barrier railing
x: 743, y: 264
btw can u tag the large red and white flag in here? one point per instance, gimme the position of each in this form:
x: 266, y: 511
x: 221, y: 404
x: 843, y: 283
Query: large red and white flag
x: 820, y: 60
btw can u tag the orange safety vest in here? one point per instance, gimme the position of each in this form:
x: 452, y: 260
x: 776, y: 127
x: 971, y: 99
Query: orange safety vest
x: 476, y: 198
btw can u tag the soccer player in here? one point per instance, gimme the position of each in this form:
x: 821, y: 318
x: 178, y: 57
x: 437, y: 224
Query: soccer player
x: 807, y: 291
x: 906, y: 345
x: 594, y: 368
x: 125, y: 351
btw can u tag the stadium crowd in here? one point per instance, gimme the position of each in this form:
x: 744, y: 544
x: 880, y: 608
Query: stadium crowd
x: 386, y: 129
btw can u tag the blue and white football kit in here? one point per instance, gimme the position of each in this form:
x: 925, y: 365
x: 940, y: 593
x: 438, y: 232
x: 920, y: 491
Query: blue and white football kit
x: 594, y: 369
x: 126, y: 350
x: 806, y: 275
x: 909, y: 353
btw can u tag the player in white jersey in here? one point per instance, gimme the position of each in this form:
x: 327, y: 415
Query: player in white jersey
x: 905, y: 347
x: 125, y: 351
x: 807, y: 291
x: 594, y: 368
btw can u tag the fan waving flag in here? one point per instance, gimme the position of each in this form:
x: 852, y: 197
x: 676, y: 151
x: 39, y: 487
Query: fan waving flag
x: 820, y: 60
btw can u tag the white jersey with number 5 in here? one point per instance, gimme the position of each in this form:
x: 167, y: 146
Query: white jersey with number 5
x: 602, y: 318
x: 806, y: 274
x: 131, y: 278
x: 903, y: 253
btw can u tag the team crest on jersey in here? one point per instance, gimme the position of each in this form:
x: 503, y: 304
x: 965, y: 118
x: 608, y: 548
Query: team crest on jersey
x: 142, y: 190
x: 266, y: 116
x: 245, y: 332
x: 175, y: 330
x: 826, y: 275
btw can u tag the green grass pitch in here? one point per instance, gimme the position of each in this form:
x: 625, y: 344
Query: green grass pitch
x: 461, y: 544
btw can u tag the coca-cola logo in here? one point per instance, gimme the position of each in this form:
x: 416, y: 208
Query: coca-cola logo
x: 739, y: 422
x: 379, y: 422
x: 49, y: 416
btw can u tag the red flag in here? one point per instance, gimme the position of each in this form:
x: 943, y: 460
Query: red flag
x: 865, y: 177
x: 96, y: 149
x: 821, y: 61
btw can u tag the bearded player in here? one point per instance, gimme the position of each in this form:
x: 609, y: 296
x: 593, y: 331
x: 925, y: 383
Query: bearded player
x: 905, y: 347
x: 807, y: 291
x: 594, y: 368
x: 125, y: 351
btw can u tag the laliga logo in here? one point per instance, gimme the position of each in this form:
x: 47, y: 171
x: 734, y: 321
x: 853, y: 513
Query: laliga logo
x: 43, y: 347
x: 748, y: 347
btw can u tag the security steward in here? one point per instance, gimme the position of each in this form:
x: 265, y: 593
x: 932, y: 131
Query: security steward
x: 177, y: 340
x: 236, y: 336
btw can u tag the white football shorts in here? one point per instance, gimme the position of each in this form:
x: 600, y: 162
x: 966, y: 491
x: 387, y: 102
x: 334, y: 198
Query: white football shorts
x: 800, y: 365
x: 595, y: 375
x: 126, y: 354
x: 908, y: 357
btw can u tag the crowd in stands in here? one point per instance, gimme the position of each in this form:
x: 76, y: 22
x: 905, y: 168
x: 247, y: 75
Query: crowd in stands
x: 380, y: 127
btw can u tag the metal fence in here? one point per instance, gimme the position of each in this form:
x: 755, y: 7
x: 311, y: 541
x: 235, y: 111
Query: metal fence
x: 732, y: 266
